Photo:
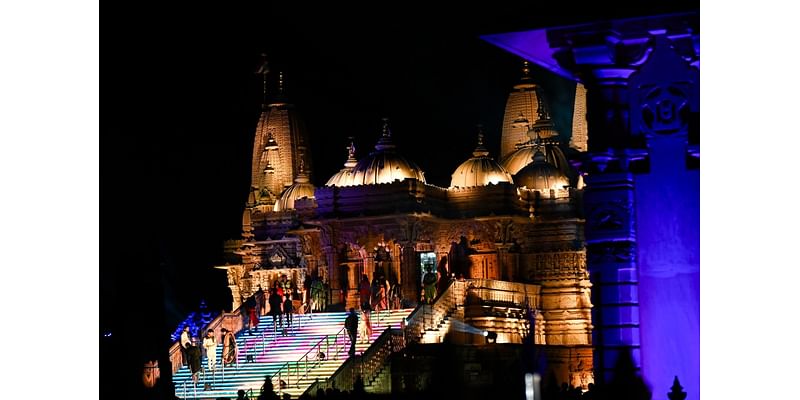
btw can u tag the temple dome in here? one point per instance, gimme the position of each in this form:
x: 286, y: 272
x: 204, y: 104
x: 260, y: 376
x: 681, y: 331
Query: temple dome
x: 301, y: 188
x: 385, y: 165
x: 523, y: 156
x: 480, y: 170
x: 541, y: 175
x: 345, y: 176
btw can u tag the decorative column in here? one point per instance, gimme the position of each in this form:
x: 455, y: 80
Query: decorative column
x: 642, y: 195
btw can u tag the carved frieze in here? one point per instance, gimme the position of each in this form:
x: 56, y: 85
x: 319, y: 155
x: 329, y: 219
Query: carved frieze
x: 568, y: 265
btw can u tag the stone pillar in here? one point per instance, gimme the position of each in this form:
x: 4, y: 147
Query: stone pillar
x: 505, y: 261
x: 642, y: 82
x: 411, y: 280
x: 611, y: 249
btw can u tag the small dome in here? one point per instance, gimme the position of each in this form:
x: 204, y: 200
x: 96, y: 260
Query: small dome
x: 345, y: 176
x: 384, y: 165
x: 300, y: 189
x: 541, y: 175
x: 480, y: 170
x: 523, y: 156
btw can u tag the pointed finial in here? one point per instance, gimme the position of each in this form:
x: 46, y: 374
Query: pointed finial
x: 300, y: 164
x: 263, y: 70
x: 386, y: 131
x: 677, y: 392
x: 385, y: 141
x: 480, y: 151
x: 351, y: 155
x: 280, y: 83
x: 541, y: 107
x: 526, y: 69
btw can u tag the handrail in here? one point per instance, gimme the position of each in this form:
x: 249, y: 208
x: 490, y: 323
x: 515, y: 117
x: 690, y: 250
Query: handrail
x: 304, y: 359
x: 367, y: 365
x: 445, y: 303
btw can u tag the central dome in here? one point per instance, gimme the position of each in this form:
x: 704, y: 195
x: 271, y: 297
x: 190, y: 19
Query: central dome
x: 523, y: 156
x: 541, y: 175
x: 385, y: 165
x: 480, y: 170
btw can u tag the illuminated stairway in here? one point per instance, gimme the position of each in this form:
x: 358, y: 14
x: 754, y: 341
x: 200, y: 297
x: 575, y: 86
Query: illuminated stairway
x: 273, y: 352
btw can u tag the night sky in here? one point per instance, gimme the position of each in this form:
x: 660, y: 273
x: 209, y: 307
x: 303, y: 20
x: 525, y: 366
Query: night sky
x: 182, y: 101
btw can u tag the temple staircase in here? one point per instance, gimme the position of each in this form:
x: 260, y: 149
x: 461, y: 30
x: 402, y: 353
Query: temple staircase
x: 314, y: 349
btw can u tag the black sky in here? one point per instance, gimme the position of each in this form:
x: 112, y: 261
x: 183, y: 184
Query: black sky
x: 181, y: 102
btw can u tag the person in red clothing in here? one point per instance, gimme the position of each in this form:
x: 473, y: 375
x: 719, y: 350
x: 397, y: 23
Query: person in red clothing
x: 364, y: 293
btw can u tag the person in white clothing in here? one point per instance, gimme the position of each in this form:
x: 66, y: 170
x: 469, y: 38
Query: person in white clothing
x: 210, y: 344
x: 185, y: 342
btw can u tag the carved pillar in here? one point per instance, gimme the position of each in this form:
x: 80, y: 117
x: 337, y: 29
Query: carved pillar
x: 506, y: 262
x: 410, y: 274
x: 639, y: 169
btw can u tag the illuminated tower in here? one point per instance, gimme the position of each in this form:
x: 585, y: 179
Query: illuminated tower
x: 522, y: 103
x: 580, y: 128
x: 280, y: 138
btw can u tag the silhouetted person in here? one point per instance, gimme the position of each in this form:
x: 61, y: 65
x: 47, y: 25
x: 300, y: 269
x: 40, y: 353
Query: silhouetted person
x: 241, y: 395
x: 275, y: 303
x: 429, y: 284
x: 626, y: 384
x: 195, y: 358
x: 267, y: 391
x: 260, y: 301
x: 351, y: 325
x: 364, y: 292
x: 288, y: 309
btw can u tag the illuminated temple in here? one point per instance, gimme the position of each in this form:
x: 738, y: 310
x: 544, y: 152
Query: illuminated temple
x: 552, y: 237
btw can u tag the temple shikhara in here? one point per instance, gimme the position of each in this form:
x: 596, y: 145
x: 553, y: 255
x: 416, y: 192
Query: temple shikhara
x: 553, y: 238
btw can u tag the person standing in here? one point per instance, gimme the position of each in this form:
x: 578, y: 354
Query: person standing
x: 429, y: 282
x: 275, y: 303
x: 210, y: 344
x: 260, y: 297
x: 195, y: 357
x: 364, y: 292
x: 252, y: 308
x: 228, y: 347
x: 287, y: 312
x: 185, y: 341
x: 351, y: 325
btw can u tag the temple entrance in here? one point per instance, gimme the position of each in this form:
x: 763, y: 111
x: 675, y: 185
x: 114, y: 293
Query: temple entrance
x: 427, y: 265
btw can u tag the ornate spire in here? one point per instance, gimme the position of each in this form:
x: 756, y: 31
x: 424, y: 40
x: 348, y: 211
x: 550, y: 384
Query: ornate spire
x: 480, y: 151
x: 385, y: 141
x: 263, y: 70
x: 541, y: 110
x: 526, y: 82
x: 351, y: 155
x: 526, y: 72
x: 302, y: 176
x: 280, y: 83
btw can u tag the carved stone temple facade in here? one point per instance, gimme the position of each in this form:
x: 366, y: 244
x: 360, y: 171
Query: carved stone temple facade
x: 518, y: 220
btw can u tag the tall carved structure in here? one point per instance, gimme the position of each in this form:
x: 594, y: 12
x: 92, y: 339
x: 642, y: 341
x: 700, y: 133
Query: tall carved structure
x: 642, y: 195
